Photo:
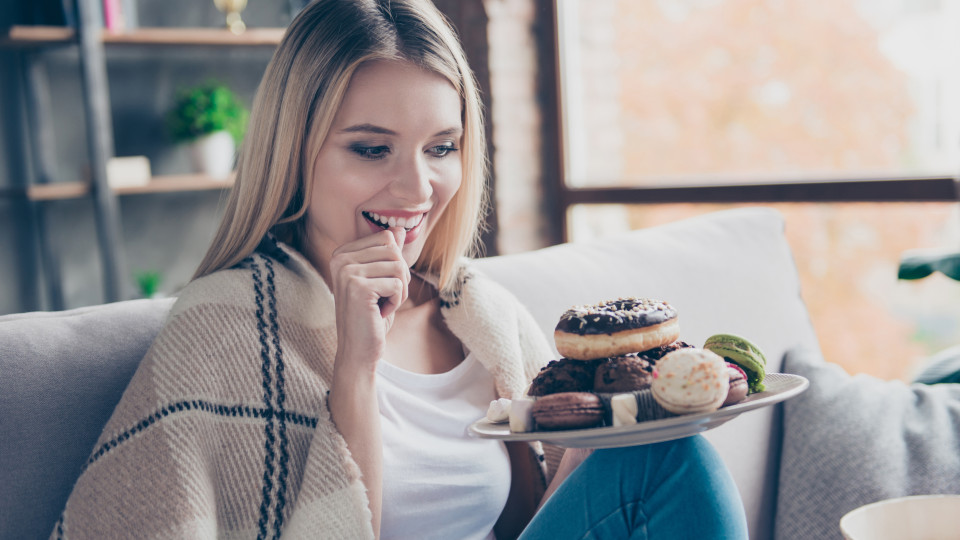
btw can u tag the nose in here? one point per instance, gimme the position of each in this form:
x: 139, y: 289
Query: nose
x: 412, y: 179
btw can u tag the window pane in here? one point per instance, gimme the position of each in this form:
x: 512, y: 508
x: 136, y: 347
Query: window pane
x: 847, y: 256
x: 671, y: 92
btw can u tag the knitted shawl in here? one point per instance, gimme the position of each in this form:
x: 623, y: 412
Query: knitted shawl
x: 224, y: 430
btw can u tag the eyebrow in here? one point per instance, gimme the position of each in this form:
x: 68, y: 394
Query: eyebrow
x: 378, y: 130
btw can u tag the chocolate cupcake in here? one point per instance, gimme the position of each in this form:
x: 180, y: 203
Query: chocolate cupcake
x: 623, y: 374
x: 652, y: 355
x: 564, y: 375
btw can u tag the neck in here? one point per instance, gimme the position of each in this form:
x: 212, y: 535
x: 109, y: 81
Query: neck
x: 419, y: 292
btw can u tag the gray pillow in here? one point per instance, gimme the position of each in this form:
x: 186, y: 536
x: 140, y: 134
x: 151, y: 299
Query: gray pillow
x: 853, y: 440
x: 61, y: 375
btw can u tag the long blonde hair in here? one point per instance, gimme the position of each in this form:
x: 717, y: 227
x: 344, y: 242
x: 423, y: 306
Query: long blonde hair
x: 300, y: 93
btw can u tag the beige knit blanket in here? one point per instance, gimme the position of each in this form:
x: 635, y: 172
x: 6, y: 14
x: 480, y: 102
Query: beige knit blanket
x: 224, y: 430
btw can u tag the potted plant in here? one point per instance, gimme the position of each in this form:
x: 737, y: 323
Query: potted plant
x: 148, y: 281
x: 212, y: 120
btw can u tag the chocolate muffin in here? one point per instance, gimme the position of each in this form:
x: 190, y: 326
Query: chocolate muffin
x: 652, y: 355
x: 623, y: 374
x: 564, y: 375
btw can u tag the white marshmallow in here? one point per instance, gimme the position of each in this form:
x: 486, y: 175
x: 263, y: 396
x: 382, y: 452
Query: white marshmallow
x: 624, y: 409
x: 499, y: 411
x: 521, y: 414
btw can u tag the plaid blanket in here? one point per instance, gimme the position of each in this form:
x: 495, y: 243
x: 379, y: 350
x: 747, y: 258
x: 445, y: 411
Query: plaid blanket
x: 224, y: 430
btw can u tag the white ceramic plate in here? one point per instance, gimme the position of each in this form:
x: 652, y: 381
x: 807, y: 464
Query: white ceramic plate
x: 779, y: 386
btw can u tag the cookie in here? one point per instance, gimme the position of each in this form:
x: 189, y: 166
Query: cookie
x: 738, y: 385
x: 568, y: 410
x: 691, y: 381
x: 742, y: 352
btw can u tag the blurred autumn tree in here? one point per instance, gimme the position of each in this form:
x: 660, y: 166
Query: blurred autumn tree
x: 757, y: 86
x: 782, y: 90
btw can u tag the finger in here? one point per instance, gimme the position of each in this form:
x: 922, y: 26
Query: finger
x: 381, y: 238
x: 378, y: 269
x: 383, y: 292
x: 391, y: 291
x: 400, y: 235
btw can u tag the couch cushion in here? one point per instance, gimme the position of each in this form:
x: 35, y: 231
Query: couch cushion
x: 61, y: 375
x: 729, y: 271
x: 854, y: 440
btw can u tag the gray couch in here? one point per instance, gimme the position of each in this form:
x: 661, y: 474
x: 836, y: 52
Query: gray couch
x: 62, y: 373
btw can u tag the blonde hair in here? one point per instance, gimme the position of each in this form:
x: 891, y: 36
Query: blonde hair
x: 296, y: 102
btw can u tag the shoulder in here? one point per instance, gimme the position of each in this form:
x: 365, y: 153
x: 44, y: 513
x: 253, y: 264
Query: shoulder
x: 275, y: 277
x: 472, y: 286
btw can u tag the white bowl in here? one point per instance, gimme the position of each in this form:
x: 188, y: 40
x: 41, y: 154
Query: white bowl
x: 923, y: 517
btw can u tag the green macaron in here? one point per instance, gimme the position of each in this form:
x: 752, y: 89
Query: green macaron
x: 742, y: 352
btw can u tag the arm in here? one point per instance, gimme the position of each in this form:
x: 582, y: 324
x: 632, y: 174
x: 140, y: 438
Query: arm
x: 369, y: 282
x: 571, y: 459
x: 521, y: 503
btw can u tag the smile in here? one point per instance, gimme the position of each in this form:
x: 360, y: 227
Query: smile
x: 385, y: 222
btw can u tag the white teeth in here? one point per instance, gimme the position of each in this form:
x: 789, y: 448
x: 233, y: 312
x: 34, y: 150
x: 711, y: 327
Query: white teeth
x: 393, y: 221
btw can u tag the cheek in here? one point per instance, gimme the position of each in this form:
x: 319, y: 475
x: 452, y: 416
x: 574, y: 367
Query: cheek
x: 451, y: 177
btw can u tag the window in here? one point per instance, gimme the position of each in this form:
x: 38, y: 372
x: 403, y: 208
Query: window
x: 845, y: 115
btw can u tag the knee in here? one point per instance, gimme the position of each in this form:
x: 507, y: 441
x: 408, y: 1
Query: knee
x: 686, y: 450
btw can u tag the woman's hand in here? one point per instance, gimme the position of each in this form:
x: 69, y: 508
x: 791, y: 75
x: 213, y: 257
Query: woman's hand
x: 370, y: 280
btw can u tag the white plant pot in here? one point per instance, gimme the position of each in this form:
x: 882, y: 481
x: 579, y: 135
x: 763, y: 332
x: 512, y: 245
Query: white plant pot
x: 213, y: 154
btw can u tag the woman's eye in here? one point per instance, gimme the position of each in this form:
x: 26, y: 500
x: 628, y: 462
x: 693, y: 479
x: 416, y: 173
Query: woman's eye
x: 443, y: 149
x: 371, y: 152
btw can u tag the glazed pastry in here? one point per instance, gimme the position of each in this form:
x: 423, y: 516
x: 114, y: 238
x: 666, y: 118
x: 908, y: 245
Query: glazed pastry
x: 564, y: 375
x: 568, y: 410
x: 623, y: 374
x: 691, y: 381
x: 742, y: 352
x: 521, y: 414
x: 738, y: 385
x: 609, y: 329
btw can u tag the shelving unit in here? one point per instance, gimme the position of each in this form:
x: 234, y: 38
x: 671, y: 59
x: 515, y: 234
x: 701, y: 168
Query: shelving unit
x: 171, y: 183
x: 90, y: 39
x: 26, y: 36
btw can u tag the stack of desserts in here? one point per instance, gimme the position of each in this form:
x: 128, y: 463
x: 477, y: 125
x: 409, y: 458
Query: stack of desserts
x: 623, y: 362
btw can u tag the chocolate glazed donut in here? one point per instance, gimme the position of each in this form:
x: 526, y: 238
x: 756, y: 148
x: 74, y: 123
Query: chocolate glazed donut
x: 625, y: 325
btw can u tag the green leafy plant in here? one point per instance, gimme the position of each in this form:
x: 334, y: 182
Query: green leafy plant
x: 206, y: 109
x: 149, y: 282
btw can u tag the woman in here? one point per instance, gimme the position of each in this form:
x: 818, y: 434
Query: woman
x: 317, y: 377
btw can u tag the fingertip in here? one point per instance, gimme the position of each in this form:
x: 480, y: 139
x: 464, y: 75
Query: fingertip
x: 400, y: 234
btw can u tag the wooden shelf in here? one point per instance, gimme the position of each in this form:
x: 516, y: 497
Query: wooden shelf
x: 38, y: 36
x: 174, y: 183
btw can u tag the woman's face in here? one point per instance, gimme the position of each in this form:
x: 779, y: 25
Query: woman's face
x: 391, y: 159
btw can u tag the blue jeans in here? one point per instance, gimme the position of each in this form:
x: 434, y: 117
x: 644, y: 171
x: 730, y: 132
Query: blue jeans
x: 671, y: 490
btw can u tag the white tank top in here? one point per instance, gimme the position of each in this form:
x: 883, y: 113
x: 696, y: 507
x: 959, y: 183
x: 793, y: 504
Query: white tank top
x: 438, y: 481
